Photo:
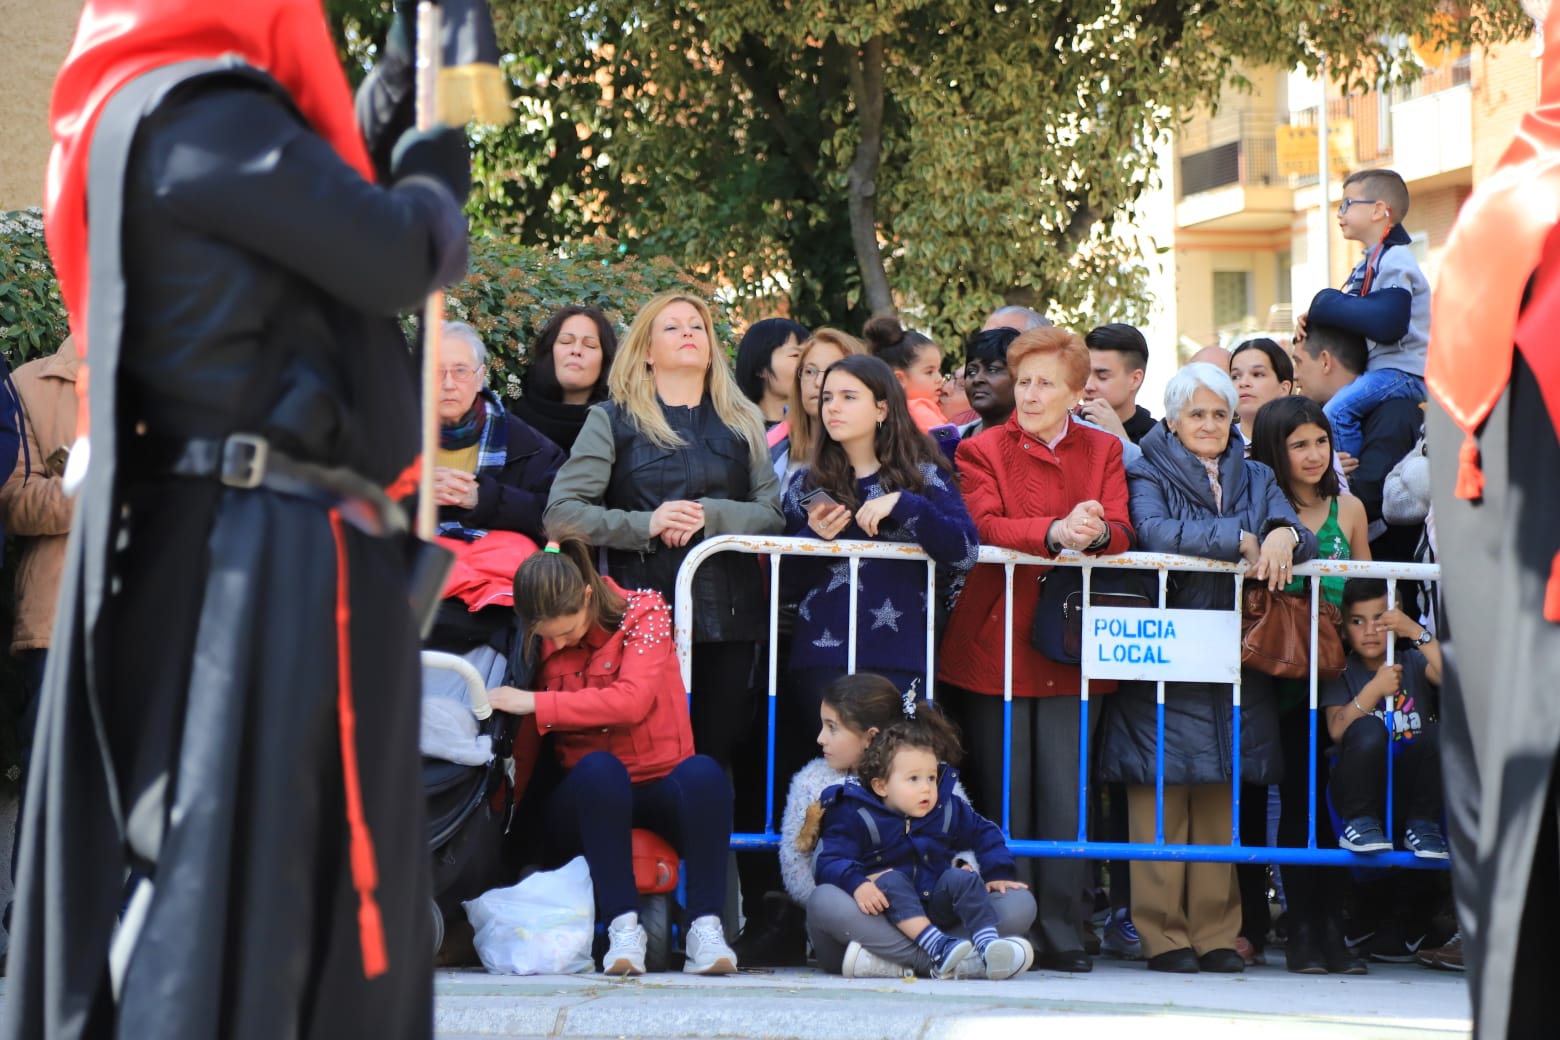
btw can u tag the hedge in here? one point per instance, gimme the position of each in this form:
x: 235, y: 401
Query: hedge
x: 508, y: 295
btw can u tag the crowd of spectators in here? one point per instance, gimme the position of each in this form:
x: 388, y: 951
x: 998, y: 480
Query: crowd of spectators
x: 629, y: 454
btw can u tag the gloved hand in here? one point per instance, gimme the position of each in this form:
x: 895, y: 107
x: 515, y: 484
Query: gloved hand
x: 439, y: 152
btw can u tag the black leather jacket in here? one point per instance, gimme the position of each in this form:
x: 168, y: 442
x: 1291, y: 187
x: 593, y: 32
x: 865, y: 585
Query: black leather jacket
x: 290, y: 331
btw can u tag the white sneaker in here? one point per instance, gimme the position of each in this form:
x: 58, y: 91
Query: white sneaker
x: 706, y: 947
x: 626, y: 942
x: 862, y: 963
x: 1007, y: 957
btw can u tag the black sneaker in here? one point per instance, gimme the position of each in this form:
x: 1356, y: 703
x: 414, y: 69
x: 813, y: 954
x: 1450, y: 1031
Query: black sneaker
x: 1390, y: 945
x: 1364, y: 834
x: 1424, y: 839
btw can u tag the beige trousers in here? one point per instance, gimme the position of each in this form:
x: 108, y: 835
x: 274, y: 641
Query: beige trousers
x: 1179, y: 905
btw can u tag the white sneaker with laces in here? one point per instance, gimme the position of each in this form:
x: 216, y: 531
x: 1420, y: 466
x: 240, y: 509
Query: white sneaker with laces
x: 1005, y: 958
x: 626, y: 942
x: 706, y: 947
x: 862, y: 963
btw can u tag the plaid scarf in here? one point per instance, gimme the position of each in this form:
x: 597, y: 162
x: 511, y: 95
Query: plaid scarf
x: 492, y: 438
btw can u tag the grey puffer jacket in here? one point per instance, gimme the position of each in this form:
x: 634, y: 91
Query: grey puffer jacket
x: 1173, y: 512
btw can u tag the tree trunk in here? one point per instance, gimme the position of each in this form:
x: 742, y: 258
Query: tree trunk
x: 866, y: 79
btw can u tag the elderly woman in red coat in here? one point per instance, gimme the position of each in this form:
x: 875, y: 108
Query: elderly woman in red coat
x: 1041, y: 483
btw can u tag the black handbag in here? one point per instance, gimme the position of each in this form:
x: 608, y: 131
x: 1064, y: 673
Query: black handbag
x: 1057, y: 631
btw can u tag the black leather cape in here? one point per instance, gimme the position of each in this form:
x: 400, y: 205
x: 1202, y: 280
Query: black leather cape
x: 190, y: 731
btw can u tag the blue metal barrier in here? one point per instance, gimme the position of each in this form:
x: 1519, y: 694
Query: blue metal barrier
x: 776, y: 549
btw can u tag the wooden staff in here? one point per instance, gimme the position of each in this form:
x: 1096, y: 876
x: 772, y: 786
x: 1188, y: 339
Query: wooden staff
x: 433, y: 308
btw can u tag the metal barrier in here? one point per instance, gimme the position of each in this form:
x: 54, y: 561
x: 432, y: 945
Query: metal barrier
x: 777, y: 548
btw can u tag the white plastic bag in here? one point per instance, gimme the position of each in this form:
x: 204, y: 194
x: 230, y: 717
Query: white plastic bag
x: 542, y: 926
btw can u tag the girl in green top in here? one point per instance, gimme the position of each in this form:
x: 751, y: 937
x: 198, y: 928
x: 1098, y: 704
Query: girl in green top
x: 1292, y: 436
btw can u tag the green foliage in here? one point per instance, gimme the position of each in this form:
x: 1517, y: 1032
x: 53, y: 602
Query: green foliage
x: 32, y: 316
x: 508, y: 294
x: 512, y: 290
x: 1018, y: 136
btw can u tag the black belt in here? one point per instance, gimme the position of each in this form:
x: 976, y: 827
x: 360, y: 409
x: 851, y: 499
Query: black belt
x: 245, y: 461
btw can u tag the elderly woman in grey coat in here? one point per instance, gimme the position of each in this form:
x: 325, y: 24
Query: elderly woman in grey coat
x: 1196, y: 494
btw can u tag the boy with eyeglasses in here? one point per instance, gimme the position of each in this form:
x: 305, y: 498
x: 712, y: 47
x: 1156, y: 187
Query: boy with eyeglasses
x: 1386, y: 299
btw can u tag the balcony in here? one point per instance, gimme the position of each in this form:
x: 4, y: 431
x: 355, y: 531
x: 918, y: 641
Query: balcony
x: 1434, y: 134
x: 1229, y: 178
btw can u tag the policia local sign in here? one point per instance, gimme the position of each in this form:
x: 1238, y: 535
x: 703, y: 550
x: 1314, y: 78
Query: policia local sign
x: 1161, y: 645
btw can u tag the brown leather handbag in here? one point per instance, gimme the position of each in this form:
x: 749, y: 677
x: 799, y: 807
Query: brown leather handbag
x: 1275, y: 634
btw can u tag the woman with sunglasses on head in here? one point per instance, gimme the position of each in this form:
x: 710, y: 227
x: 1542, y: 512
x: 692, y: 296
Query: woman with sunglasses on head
x: 822, y: 349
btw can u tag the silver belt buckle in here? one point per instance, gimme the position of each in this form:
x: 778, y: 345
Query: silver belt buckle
x: 244, y: 457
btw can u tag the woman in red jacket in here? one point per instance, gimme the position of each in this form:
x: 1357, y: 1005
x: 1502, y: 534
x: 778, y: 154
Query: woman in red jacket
x: 610, y: 692
x: 1041, y: 483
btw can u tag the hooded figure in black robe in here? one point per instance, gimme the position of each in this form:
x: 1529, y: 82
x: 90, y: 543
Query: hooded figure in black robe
x: 224, y: 830
x: 1493, y: 373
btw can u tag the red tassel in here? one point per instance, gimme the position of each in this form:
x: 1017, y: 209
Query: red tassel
x: 371, y: 936
x: 365, y: 875
x: 1552, y: 591
x: 1470, y: 479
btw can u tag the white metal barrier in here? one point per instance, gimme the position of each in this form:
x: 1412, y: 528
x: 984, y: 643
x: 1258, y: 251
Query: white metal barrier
x: 776, y: 549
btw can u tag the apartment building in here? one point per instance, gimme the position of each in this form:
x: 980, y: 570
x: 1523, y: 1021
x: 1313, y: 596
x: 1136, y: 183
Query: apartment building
x: 1253, y: 238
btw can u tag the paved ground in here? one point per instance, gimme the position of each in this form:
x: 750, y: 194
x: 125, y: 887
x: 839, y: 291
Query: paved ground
x: 1116, y: 1000
x: 1394, y: 1002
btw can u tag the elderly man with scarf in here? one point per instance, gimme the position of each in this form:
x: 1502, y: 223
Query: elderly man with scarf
x: 494, y: 470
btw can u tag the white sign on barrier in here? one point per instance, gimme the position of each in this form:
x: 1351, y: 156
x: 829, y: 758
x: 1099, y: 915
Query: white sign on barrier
x: 1168, y: 645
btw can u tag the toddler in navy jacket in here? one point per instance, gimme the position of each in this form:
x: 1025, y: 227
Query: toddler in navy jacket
x: 891, y: 836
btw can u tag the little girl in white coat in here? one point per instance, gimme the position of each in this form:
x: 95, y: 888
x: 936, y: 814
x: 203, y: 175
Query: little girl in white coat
x: 854, y: 709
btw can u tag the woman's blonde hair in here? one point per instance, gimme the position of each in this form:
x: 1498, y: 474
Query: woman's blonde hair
x: 804, y: 427
x: 631, y: 382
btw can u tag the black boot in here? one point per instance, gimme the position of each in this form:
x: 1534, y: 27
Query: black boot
x: 1301, y: 949
x: 776, y: 939
x: 1339, y: 958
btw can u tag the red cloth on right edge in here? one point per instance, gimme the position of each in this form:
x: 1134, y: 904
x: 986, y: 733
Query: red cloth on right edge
x: 1495, y: 246
x: 1504, y: 234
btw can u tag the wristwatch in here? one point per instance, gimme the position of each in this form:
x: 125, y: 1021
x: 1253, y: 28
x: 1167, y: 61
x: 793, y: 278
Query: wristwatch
x: 1424, y: 637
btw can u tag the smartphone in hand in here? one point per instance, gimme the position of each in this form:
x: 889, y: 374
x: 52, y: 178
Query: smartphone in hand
x: 817, y: 496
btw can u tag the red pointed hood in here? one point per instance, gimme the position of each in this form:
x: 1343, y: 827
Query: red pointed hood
x: 118, y: 40
x: 1496, y: 245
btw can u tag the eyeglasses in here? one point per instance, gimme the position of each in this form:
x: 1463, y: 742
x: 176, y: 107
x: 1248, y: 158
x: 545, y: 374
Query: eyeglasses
x: 811, y: 373
x: 459, y: 373
x: 1343, y: 207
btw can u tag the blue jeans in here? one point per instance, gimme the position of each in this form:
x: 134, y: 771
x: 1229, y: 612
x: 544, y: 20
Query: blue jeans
x: 595, y: 808
x: 1349, y: 407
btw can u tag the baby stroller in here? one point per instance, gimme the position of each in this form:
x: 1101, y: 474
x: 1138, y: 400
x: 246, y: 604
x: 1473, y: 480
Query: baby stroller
x: 469, y: 780
x: 466, y: 767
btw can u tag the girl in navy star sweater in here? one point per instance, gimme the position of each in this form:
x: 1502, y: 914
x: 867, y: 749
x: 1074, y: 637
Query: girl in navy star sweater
x: 886, y: 480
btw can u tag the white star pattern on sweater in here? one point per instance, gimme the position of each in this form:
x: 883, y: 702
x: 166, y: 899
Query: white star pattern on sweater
x: 827, y: 640
x: 886, y: 616
x: 805, y: 608
x: 839, y: 576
